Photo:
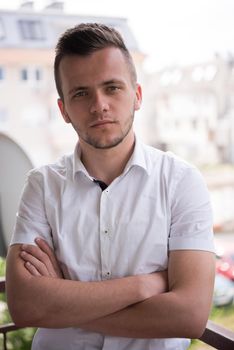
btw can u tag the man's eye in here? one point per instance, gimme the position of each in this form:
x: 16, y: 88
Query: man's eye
x: 113, y: 88
x: 80, y: 94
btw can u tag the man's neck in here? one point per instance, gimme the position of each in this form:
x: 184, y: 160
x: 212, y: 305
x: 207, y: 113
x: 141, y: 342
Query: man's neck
x: 107, y: 164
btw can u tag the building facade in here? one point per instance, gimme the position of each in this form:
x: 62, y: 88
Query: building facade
x: 191, y: 110
x: 28, y: 107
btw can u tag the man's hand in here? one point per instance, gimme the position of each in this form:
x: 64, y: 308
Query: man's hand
x: 40, y: 260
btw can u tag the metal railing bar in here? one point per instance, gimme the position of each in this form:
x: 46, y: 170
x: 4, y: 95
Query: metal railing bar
x: 217, y: 336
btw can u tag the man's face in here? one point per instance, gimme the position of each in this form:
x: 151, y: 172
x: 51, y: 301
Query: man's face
x: 99, y: 97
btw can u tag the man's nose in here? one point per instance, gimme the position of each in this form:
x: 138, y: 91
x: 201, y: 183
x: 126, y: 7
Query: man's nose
x: 99, y: 103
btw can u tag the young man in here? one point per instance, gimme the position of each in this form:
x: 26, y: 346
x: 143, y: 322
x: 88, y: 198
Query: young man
x: 124, y: 258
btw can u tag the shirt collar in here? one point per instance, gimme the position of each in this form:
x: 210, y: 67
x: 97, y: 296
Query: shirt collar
x: 78, y: 166
x: 138, y: 158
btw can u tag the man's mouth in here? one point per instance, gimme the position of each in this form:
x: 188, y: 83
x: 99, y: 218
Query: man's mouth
x: 101, y: 123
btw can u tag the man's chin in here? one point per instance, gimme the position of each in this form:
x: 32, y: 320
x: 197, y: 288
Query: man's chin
x: 105, y: 144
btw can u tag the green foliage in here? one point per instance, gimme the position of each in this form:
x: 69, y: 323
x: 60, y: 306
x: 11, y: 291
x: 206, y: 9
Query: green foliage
x: 21, y: 339
x: 2, y: 267
x: 224, y: 316
x: 2, y: 273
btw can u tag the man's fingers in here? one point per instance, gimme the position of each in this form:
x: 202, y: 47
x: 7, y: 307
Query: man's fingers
x: 33, y: 264
x: 35, y: 251
x: 44, y: 246
x: 39, y: 259
x: 32, y: 269
x: 42, y: 258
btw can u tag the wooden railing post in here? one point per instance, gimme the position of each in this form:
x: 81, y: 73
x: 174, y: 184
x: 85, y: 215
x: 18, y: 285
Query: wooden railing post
x: 4, y: 341
x: 4, y: 329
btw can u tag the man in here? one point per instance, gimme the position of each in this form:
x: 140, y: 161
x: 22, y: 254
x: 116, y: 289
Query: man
x: 112, y: 247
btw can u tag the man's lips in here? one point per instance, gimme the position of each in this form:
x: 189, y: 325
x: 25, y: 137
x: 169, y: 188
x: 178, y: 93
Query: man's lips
x: 101, y: 123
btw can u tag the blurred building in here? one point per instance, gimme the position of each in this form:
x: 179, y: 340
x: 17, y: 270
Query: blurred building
x: 191, y: 110
x: 188, y: 110
x: 28, y: 108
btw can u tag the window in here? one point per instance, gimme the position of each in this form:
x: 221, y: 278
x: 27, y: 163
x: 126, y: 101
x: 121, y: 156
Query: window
x: 31, y: 75
x: 198, y: 74
x: 171, y: 77
x: 2, y: 73
x: 194, y: 123
x: 38, y: 74
x: 31, y: 30
x: 24, y: 74
x: 210, y: 72
x: 2, y: 30
x: 3, y: 115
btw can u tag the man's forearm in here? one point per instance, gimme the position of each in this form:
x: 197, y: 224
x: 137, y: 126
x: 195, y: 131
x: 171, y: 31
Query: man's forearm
x: 45, y: 302
x: 161, y: 316
x: 58, y: 303
x: 118, y: 307
x: 181, y: 312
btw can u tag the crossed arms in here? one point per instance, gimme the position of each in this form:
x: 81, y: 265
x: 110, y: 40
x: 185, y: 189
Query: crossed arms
x: 158, y: 305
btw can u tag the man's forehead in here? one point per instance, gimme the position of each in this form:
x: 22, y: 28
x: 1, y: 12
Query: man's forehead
x: 108, y: 54
x: 85, y: 70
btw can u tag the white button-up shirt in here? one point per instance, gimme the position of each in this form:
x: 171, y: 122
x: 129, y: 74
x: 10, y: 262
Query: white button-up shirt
x: 159, y: 203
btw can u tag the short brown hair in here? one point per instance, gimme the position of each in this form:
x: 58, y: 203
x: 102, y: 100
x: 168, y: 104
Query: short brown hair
x: 86, y: 38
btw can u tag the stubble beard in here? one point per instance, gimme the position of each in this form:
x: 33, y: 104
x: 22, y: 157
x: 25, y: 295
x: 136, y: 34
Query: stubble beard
x: 98, y: 143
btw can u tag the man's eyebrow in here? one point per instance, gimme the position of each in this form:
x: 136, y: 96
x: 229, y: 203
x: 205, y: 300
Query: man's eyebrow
x: 113, y: 81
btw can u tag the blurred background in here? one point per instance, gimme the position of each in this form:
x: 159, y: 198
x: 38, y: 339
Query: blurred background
x: 184, y: 54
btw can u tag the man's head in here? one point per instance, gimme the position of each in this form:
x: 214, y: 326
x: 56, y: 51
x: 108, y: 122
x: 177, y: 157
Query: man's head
x: 96, y: 82
x: 85, y: 39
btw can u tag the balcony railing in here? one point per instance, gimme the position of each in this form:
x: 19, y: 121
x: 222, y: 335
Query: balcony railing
x: 4, y: 329
x: 218, y: 336
x: 214, y: 335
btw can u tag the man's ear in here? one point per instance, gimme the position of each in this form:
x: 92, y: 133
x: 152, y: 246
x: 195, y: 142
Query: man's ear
x: 63, y: 110
x: 138, y: 98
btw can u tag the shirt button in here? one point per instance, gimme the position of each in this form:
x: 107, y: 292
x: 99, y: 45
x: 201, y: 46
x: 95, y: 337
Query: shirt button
x: 106, y: 275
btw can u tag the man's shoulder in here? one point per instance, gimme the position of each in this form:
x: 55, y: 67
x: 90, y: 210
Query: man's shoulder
x: 61, y: 168
x: 165, y: 159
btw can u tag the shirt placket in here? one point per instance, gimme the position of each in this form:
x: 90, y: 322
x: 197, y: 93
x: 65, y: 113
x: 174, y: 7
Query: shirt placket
x: 105, y: 236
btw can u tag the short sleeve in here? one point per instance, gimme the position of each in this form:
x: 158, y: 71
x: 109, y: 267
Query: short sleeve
x: 31, y: 220
x: 191, y: 213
